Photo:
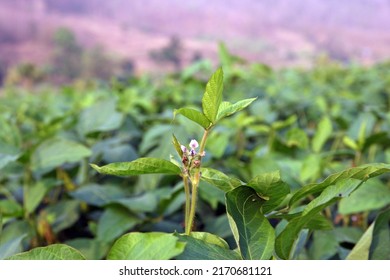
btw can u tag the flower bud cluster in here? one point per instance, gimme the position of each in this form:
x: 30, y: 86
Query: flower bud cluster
x: 191, y: 158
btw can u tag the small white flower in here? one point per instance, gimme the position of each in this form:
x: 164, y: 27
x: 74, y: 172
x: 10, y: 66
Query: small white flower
x: 183, y: 148
x: 194, y: 144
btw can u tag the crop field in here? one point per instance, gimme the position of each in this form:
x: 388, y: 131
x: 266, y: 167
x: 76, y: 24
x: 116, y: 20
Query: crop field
x: 238, y: 162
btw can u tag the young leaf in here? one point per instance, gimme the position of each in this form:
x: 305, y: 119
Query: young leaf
x: 219, y: 179
x: 146, y: 246
x: 270, y: 186
x: 363, y: 172
x: 200, y: 249
x: 138, y: 167
x: 212, y: 97
x: 227, y: 109
x: 324, y: 131
x: 380, y: 245
x: 195, y: 116
x: 114, y: 222
x: 177, y: 146
x: 253, y: 233
x: 362, y: 248
x: 286, y: 239
x: 51, y: 252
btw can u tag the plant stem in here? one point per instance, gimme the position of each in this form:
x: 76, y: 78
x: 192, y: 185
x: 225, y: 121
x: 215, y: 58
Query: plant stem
x: 194, y: 192
x: 188, y: 199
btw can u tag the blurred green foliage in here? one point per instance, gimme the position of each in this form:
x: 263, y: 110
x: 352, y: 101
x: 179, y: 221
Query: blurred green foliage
x: 306, y: 124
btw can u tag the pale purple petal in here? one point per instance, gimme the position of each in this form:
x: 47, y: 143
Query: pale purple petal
x: 194, y: 144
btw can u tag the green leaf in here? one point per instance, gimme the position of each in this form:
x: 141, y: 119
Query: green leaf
x: 297, y: 137
x: 372, y: 195
x: 362, y: 248
x: 350, y: 143
x: 227, y: 109
x: 323, y: 132
x: 55, y: 152
x: 52, y: 252
x: 271, y: 188
x: 194, y: 115
x: 92, y: 249
x: 177, y: 146
x: 99, y: 117
x: 114, y: 222
x: 219, y: 179
x: 138, y: 167
x: 146, y: 202
x: 61, y: 215
x: 210, y: 238
x: 10, y: 208
x: 11, y: 247
x: 212, y: 97
x: 35, y: 193
x: 380, y: 244
x: 253, y: 233
x: 8, y: 154
x: 146, y: 246
x: 363, y: 172
x: 98, y: 195
x: 285, y: 241
x: 200, y: 249
x: 324, y: 246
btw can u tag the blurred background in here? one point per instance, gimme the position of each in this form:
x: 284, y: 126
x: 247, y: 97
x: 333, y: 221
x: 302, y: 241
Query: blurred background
x: 59, y: 40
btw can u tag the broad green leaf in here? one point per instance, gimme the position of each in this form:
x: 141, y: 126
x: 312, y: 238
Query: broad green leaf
x: 200, y: 249
x: 363, y: 172
x: 138, y: 167
x: 271, y: 188
x: 212, y: 97
x: 372, y: 195
x: 114, y: 222
x: 285, y: 241
x: 297, y: 137
x: 92, y: 249
x: 35, y: 193
x: 98, y: 195
x: 61, y: 215
x: 311, y: 167
x: 177, y: 146
x: 362, y: 248
x: 146, y: 246
x: 323, y: 132
x: 11, y: 247
x: 51, y: 252
x: 380, y: 245
x: 10, y: 208
x: 253, y: 233
x: 324, y: 246
x: 226, y: 108
x: 8, y: 154
x: 55, y: 152
x: 99, y: 117
x: 146, y: 202
x: 219, y: 179
x: 194, y: 115
x: 210, y: 238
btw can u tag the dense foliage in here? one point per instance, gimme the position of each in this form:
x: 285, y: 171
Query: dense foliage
x: 304, y: 126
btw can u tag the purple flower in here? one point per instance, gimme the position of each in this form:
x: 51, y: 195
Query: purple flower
x: 183, y: 148
x: 194, y: 144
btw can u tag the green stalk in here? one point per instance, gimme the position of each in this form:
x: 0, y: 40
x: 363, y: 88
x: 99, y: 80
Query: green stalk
x: 195, y: 183
x: 188, y: 199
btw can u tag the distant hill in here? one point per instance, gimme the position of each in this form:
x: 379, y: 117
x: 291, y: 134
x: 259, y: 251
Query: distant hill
x: 278, y: 32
